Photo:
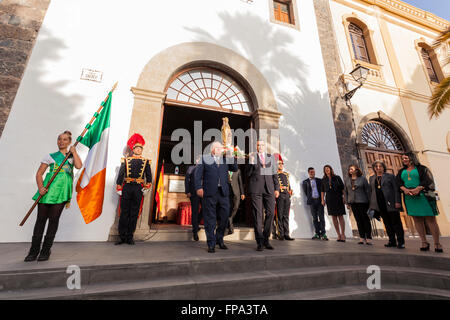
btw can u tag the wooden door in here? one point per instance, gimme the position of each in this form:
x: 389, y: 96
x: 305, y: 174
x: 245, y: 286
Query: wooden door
x: 393, y: 161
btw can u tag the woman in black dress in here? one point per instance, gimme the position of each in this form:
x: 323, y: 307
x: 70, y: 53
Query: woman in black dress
x: 333, y: 198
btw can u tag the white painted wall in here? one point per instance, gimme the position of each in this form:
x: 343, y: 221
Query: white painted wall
x: 119, y: 38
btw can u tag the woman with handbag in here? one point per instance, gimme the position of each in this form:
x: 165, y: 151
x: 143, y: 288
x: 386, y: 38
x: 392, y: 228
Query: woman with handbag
x: 417, y: 184
x: 357, y: 196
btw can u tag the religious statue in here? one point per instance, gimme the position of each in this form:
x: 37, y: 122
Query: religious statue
x: 227, y: 140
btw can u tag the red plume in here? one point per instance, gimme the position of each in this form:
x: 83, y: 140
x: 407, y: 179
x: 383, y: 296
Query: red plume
x: 134, y: 139
x: 278, y: 157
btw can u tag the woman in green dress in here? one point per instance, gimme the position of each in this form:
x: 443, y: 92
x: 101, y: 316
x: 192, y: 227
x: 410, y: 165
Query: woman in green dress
x: 54, y: 198
x: 416, y: 183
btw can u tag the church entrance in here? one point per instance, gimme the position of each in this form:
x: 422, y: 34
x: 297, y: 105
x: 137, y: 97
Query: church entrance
x: 196, y: 98
x: 382, y: 143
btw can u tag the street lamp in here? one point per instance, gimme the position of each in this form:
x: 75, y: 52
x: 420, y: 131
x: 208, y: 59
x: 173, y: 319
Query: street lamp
x: 360, y: 74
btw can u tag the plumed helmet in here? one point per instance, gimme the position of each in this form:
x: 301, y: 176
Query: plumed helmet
x: 278, y: 157
x: 136, y: 140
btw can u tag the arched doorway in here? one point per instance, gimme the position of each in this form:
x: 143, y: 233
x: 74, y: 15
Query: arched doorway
x: 197, y: 98
x: 379, y: 141
x: 150, y: 104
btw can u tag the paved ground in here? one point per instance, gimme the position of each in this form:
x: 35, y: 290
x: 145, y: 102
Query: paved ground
x: 106, y: 253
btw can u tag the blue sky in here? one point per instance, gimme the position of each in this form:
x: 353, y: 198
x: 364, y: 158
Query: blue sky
x: 440, y: 8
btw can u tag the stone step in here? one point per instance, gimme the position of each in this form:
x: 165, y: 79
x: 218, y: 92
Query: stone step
x: 386, y: 292
x: 185, y: 234
x: 243, y: 284
x: 97, y: 274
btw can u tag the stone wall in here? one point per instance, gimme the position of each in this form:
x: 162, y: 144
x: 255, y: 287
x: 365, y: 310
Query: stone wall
x: 20, y: 21
x: 342, y: 114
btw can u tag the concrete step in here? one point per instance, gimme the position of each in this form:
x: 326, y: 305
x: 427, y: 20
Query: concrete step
x: 246, y: 284
x: 98, y: 274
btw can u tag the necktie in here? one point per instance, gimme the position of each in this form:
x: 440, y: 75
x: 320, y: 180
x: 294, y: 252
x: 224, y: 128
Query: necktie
x: 262, y: 160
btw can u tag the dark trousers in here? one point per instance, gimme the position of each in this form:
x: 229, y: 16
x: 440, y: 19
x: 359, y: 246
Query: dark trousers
x: 318, y: 216
x: 130, y: 204
x: 196, y: 215
x: 235, y: 200
x: 362, y: 219
x: 263, y: 223
x: 50, y: 212
x: 283, y: 207
x: 394, y: 226
x: 216, y: 210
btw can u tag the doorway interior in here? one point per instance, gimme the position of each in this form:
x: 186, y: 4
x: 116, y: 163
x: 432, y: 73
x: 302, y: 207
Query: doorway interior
x: 178, y: 116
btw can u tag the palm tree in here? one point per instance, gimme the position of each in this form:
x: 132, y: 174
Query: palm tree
x: 441, y: 95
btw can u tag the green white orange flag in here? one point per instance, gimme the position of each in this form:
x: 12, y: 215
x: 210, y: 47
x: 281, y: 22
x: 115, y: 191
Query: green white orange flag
x: 91, y: 184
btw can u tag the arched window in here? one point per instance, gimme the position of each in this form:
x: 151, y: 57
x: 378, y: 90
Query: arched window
x: 429, y: 65
x: 210, y: 88
x: 377, y: 135
x: 358, y: 43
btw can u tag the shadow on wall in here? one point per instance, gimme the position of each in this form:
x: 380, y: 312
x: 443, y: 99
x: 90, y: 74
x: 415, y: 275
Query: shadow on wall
x: 41, y: 112
x: 306, y: 127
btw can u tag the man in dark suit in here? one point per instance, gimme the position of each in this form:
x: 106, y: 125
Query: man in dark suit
x: 312, y: 189
x: 211, y: 184
x: 263, y: 188
x: 237, y: 194
x: 189, y: 187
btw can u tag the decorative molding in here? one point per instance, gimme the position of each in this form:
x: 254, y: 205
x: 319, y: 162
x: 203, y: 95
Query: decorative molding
x: 395, y: 12
x: 144, y: 94
x: 377, y: 86
x: 412, y: 13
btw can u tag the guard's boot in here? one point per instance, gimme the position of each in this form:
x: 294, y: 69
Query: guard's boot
x: 34, y: 250
x: 45, y: 251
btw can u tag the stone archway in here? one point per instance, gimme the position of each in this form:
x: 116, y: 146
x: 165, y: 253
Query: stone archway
x: 149, y: 96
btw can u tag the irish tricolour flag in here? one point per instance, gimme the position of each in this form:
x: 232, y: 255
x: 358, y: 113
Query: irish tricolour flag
x: 91, y: 184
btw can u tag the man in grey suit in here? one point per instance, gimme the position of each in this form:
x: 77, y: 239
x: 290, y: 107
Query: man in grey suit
x: 237, y: 194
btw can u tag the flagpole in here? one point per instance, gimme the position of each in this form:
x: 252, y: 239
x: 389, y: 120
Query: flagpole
x: 67, y: 156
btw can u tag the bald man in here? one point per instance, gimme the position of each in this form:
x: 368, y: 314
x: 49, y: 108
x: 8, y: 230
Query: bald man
x: 211, y: 185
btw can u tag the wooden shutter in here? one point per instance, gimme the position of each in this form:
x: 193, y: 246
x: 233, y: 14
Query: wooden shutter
x: 358, y: 43
x: 429, y: 65
x: 282, y: 12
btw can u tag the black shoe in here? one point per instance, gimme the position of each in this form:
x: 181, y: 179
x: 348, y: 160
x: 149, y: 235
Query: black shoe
x: 131, y: 242
x: 427, y: 248
x: 223, y: 246
x: 390, y: 245
x: 259, y: 247
x: 288, y: 238
x: 119, y: 242
x: 211, y: 250
x: 268, y: 246
x: 34, y: 250
x: 401, y: 246
x: 45, y: 251
x: 280, y: 238
x: 195, y: 236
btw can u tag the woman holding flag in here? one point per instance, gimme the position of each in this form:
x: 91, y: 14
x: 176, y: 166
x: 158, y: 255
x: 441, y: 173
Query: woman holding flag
x: 54, y: 198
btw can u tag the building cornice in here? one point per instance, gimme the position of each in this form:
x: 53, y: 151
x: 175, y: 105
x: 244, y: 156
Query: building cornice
x: 411, y: 13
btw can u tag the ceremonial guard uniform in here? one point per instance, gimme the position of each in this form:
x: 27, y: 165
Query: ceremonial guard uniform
x: 135, y: 176
x: 283, y: 201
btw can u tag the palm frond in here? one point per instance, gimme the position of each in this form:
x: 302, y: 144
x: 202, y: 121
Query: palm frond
x: 440, y: 98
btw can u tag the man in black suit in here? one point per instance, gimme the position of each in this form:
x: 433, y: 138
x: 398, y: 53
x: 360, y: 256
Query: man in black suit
x: 312, y: 189
x: 211, y: 184
x: 237, y: 194
x: 189, y: 187
x: 263, y: 188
